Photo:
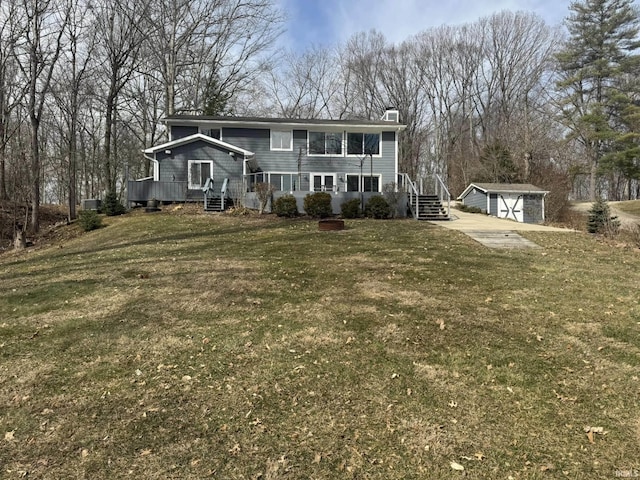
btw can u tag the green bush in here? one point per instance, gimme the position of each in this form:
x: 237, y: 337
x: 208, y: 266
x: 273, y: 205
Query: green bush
x: 89, y: 220
x: 600, y: 219
x: 377, y: 207
x: 111, y: 205
x: 351, y: 208
x: 285, y: 206
x: 318, y: 205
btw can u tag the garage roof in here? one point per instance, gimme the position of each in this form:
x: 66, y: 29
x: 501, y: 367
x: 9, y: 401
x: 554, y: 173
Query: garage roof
x: 504, y: 188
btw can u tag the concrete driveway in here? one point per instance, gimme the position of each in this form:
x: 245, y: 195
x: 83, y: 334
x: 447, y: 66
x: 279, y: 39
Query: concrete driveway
x: 495, y: 232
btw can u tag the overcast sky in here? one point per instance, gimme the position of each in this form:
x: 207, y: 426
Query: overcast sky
x: 327, y: 22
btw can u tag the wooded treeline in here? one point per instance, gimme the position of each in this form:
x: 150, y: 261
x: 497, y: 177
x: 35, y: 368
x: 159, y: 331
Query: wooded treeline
x: 507, y: 98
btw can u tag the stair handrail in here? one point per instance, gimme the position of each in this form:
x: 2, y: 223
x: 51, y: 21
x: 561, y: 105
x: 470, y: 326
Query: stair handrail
x: 208, y: 185
x: 443, y: 192
x: 413, y: 193
x: 223, y: 192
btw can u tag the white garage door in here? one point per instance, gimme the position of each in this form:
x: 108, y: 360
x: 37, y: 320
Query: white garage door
x: 510, y: 206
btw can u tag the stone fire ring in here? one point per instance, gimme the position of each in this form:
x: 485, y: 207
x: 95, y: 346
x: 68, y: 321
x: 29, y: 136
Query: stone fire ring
x: 330, y: 224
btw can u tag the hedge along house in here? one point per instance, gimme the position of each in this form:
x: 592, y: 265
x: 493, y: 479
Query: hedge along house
x: 221, y: 159
x: 521, y: 202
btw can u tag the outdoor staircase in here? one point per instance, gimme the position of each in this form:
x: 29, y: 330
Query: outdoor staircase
x: 213, y: 202
x: 435, y: 205
x: 430, y: 207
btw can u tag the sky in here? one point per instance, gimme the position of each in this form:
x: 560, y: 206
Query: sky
x: 329, y: 22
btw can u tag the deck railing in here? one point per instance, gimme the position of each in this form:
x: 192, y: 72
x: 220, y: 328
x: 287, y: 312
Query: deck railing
x: 412, y: 191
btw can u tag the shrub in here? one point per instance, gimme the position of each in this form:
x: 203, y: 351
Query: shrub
x: 318, y: 205
x: 111, y: 205
x: 264, y: 191
x: 377, y: 207
x: 285, y: 206
x: 89, y: 220
x: 393, y: 195
x: 600, y: 219
x: 351, y: 208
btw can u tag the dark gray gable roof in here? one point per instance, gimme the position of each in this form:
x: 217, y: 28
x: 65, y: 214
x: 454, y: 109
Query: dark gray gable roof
x: 504, y: 188
x: 265, y: 122
x: 196, y: 137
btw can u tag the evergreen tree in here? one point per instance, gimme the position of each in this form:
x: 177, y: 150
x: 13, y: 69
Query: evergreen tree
x: 600, y: 51
x: 600, y: 219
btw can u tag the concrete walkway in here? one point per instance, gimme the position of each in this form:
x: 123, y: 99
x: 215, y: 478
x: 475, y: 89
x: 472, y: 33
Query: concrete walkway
x: 495, y: 232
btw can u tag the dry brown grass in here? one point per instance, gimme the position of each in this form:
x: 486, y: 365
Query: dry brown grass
x: 196, y: 346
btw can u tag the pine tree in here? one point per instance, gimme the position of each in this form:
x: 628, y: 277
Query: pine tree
x: 600, y: 219
x: 600, y: 51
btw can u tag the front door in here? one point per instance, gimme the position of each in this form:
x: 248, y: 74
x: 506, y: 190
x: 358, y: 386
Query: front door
x: 510, y: 206
x: 321, y: 182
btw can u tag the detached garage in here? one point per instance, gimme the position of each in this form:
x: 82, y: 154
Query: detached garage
x: 521, y: 202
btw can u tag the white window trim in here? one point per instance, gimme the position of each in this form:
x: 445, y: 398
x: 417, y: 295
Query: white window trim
x: 292, y: 174
x: 360, y: 155
x: 342, y: 144
x: 373, y: 176
x: 277, y: 149
x: 313, y: 174
x: 361, y: 181
x: 191, y: 162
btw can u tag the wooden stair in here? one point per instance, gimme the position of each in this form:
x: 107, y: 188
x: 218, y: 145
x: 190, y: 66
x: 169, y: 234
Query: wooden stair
x: 429, y: 207
x: 214, y: 204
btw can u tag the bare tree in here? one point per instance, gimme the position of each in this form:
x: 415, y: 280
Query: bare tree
x: 119, y: 36
x: 37, y: 52
x: 68, y: 90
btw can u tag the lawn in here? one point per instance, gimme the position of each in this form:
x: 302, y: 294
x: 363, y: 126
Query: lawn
x: 200, y: 346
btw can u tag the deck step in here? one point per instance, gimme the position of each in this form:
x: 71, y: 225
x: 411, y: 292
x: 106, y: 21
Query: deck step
x: 430, y: 208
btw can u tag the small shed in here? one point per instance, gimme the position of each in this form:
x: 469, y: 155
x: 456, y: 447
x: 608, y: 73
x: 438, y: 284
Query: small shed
x: 521, y: 202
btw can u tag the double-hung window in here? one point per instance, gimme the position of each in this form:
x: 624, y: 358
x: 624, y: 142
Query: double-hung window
x: 363, y: 143
x: 281, y: 140
x: 199, y: 172
x: 325, y: 143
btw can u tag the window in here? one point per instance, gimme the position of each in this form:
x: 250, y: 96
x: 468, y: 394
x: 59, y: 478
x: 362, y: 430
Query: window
x: 213, y: 133
x: 281, y: 140
x: 325, y: 143
x: 199, y: 172
x: 363, y: 143
x: 322, y: 182
x: 282, y: 181
x: 370, y: 184
x: 366, y: 183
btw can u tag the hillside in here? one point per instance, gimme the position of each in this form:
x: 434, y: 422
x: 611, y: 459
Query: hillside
x: 198, y: 346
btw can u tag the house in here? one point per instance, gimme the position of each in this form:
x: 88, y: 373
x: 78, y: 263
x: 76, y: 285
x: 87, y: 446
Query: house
x: 221, y: 159
x: 521, y: 202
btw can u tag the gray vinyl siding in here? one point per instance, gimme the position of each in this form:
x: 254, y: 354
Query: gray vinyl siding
x: 476, y: 199
x: 179, y: 131
x: 174, y: 167
x: 532, y: 212
x: 259, y: 141
x: 493, y: 204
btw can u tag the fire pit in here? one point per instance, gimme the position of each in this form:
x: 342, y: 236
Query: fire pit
x: 330, y: 224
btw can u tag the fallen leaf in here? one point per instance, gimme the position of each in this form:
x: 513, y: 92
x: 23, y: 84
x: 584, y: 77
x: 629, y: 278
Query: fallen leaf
x: 457, y: 466
x: 84, y: 453
x: 590, y: 436
x: 8, y: 436
x: 146, y: 451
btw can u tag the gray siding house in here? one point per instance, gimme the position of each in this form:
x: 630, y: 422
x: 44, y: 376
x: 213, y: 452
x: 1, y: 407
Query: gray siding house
x: 521, y: 202
x: 223, y: 158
